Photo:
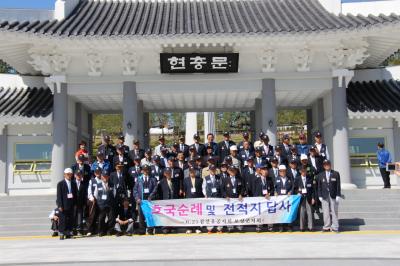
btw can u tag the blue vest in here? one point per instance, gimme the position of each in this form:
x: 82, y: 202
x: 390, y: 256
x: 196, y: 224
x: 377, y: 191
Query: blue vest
x: 104, y: 198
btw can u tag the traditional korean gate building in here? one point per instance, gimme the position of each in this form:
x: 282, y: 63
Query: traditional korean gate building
x: 98, y: 56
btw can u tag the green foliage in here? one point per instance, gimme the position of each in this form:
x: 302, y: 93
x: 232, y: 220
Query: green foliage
x: 292, y: 117
x: 6, y: 69
x: 110, y: 124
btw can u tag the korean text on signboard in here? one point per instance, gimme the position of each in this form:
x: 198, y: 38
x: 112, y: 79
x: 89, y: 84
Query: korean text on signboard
x: 199, y: 63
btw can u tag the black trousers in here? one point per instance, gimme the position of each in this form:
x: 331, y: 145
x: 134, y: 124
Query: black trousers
x: 103, y: 226
x: 385, y: 177
x: 79, y: 218
x: 66, y: 221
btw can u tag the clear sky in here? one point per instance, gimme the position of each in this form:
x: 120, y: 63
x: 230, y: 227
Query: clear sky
x: 49, y: 4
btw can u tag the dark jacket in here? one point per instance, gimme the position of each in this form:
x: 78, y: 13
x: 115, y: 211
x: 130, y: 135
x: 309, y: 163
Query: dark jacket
x: 233, y: 190
x: 187, y: 187
x: 213, y: 189
x: 120, y: 186
x: 81, y: 197
x: 249, y: 180
x: 64, y: 201
x: 279, y: 187
x: 164, y: 192
x: 331, y: 188
x: 141, y: 187
x: 260, y: 187
x: 85, y: 170
x: 310, y: 188
x: 223, y: 150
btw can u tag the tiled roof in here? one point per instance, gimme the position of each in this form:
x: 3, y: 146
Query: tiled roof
x: 174, y: 17
x: 30, y: 102
x: 374, y: 96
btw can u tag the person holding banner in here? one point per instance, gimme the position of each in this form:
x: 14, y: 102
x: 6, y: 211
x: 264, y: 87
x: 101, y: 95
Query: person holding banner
x: 193, y: 188
x: 304, y: 186
x: 142, y: 190
x: 166, y: 190
x: 329, y: 193
x: 284, y: 186
x: 233, y: 186
x: 263, y: 187
x: 212, y: 189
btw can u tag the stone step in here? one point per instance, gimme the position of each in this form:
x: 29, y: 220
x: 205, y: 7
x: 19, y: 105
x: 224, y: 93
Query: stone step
x: 25, y: 220
x: 26, y: 198
x: 20, y: 204
x: 346, y: 215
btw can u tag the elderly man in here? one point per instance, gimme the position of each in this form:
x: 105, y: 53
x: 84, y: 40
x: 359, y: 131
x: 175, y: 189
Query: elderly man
x: 284, y: 186
x: 329, y: 193
x: 66, y: 202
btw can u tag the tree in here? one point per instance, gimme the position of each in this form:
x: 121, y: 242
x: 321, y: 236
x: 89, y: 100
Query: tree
x: 6, y: 68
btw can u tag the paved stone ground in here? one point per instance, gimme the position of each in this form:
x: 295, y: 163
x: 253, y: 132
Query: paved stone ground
x: 350, y: 248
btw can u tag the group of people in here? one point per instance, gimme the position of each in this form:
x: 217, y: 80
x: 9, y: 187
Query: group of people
x: 104, y: 196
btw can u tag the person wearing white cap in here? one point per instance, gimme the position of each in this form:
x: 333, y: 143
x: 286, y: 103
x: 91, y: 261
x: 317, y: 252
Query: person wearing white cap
x: 283, y: 186
x: 234, y: 155
x: 66, y: 202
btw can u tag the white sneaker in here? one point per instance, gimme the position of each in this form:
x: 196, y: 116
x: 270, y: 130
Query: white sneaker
x: 89, y: 234
x: 198, y: 231
x: 188, y: 231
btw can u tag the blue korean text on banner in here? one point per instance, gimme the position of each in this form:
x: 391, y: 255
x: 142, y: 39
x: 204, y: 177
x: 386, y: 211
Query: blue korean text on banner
x: 221, y: 212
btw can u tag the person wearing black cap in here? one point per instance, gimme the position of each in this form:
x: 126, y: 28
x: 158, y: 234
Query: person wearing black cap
x: 206, y: 170
x: 321, y: 147
x: 273, y: 172
x: 263, y: 187
x: 121, y: 158
x: 142, y: 190
x: 156, y: 168
x: 183, y: 147
x: 285, y: 146
x: 107, y: 149
x: 83, y: 168
x: 315, y: 160
x: 174, y: 149
x: 119, y: 180
x: 104, y: 194
x: 176, y: 175
x: 293, y: 171
x: 157, y: 149
x: 267, y: 149
x: 212, y: 189
x: 133, y: 172
x: 224, y: 146
x: 66, y: 203
x: 209, y: 155
x: 329, y: 193
x: 166, y: 190
x: 92, y: 208
x: 125, y: 219
x: 294, y: 156
x: 245, y: 153
x: 304, y: 186
x: 193, y: 188
x: 101, y: 163
x: 136, y: 150
x: 147, y: 158
x: 224, y: 170
x: 81, y: 198
x: 165, y: 154
x: 200, y: 148
x: 246, y: 138
x: 121, y: 144
x: 210, y: 143
x: 384, y: 158
x: 258, y: 157
x: 284, y: 186
x: 249, y: 176
x: 282, y: 158
x: 233, y: 187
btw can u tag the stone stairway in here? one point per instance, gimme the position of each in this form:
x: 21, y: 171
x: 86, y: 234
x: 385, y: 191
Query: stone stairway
x: 360, y: 210
x: 25, y: 215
